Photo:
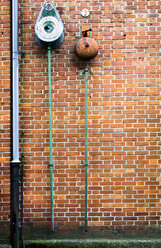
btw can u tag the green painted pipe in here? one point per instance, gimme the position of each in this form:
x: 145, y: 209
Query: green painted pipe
x: 86, y: 149
x: 50, y: 139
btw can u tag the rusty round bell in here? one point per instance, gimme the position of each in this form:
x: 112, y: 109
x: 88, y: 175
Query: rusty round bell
x: 86, y: 48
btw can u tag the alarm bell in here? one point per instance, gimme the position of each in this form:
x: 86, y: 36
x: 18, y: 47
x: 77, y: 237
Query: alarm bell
x: 86, y: 48
x: 49, y: 27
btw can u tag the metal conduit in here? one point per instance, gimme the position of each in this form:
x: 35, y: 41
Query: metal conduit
x: 86, y: 149
x: 50, y: 139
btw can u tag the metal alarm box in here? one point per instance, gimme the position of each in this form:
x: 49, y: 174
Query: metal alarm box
x: 49, y: 27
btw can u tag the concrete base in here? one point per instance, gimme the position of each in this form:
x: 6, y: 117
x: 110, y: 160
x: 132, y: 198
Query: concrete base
x: 91, y: 243
x: 94, y: 243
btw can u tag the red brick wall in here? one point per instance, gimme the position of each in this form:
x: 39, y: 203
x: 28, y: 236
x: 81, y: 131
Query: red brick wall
x: 124, y: 116
x: 4, y: 112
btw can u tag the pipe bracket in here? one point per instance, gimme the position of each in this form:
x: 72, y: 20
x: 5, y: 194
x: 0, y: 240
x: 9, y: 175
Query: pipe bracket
x: 82, y: 73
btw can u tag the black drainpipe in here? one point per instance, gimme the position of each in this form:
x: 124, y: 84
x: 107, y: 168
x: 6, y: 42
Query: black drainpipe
x: 15, y: 163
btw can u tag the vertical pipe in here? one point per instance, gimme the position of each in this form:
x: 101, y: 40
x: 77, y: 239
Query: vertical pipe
x: 86, y: 149
x: 50, y: 139
x: 22, y: 203
x: 15, y: 85
x: 15, y: 163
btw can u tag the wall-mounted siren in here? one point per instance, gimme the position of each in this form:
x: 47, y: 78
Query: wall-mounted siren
x: 49, y: 27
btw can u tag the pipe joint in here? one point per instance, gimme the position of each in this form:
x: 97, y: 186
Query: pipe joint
x: 15, y: 55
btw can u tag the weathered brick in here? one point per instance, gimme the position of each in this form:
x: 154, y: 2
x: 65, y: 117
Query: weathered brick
x: 124, y: 116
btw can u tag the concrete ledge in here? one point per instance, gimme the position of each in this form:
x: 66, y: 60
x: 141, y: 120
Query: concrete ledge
x: 5, y: 246
x: 94, y: 243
